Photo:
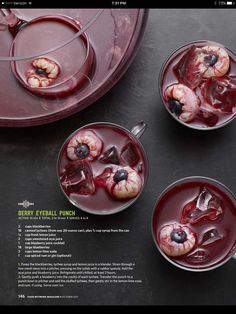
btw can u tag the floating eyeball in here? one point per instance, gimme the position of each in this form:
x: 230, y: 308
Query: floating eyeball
x: 176, y: 240
x: 183, y: 102
x: 44, y: 72
x: 124, y: 183
x: 84, y: 145
x: 216, y: 61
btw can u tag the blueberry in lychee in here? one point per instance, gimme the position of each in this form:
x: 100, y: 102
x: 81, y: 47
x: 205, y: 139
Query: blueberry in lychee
x: 82, y: 150
x: 178, y: 235
x: 175, y: 106
x: 120, y: 175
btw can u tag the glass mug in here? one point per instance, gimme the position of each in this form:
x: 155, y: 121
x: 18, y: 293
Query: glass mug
x: 102, y: 167
x: 200, y: 99
x: 193, y: 224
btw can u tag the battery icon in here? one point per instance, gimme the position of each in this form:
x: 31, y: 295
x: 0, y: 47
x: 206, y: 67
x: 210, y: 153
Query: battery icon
x: 230, y: 2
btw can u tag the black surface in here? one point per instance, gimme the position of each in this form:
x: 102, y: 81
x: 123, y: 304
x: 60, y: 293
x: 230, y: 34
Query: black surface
x: 119, y: 4
x: 28, y: 162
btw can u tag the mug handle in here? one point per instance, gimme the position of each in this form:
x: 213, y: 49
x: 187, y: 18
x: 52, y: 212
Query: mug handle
x: 139, y: 129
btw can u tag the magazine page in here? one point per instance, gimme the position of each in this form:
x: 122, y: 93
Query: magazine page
x: 117, y: 154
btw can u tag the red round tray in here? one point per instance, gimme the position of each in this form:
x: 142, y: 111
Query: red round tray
x: 114, y: 36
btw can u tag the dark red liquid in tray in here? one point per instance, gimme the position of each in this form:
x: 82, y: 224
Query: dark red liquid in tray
x: 169, y: 210
x: 101, y: 200
x: 113, y: 37
x: 168, y: 78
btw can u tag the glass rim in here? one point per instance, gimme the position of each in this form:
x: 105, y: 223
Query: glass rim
x: 161, y: 75
x: 168, y: 188
x: 118, y: 209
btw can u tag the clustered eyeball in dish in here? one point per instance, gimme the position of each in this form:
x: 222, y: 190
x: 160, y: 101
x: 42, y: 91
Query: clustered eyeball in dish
x: 42, y: 73
x: 205, y: 88
x: 183, y: 102
x: 176, y: 240
x: 85, y: 145
x: 120, y: 181
x: 124, y: 183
